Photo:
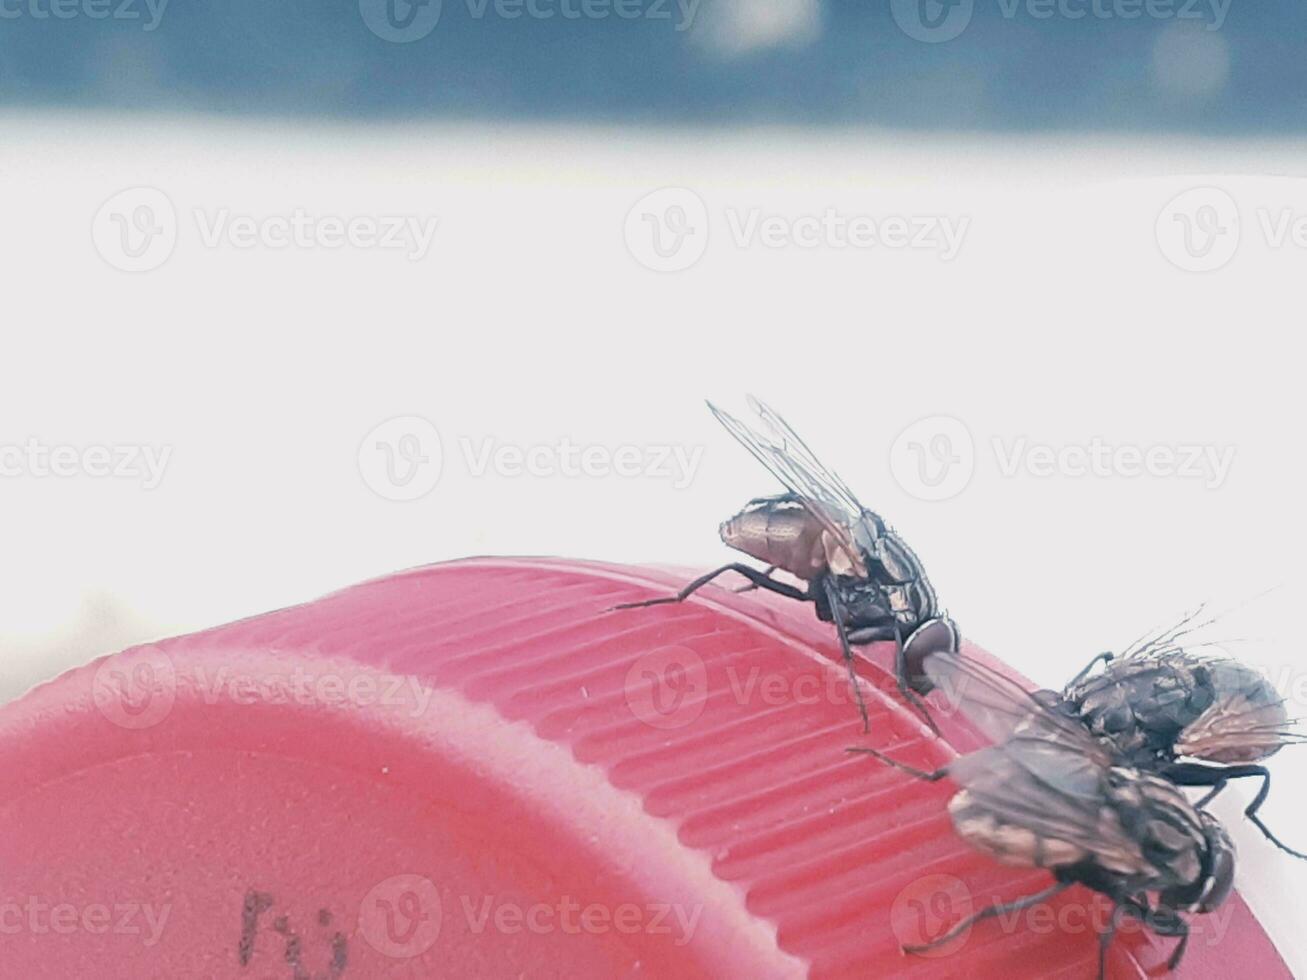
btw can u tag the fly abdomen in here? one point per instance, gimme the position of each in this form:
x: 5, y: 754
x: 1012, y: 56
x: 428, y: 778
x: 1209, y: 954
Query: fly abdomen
x: 1007, y: 842
x: 778, y: 532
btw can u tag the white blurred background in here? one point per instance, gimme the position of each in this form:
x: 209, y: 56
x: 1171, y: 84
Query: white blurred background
x: 251, y: 359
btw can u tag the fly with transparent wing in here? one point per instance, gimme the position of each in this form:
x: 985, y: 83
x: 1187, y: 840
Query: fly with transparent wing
x: 1049, y: 795
x: 858, y: 573
x: 1195, y: 717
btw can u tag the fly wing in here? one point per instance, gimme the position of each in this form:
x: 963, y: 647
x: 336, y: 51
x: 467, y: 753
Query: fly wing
x: 1239, y: 726
x: 827, y: 503
x: 827, y: 481
x: 1042, y: 794
x: 1001, y: 708
x: 1039, y: 802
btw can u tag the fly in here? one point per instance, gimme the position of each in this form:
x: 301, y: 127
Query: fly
x: 858, y: 573
x: 1049, y: 795
x: 1197, y: 719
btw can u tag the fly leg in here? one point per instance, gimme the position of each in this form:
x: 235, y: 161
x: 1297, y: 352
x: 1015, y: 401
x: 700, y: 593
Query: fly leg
x: 1164, y: 922
x: 837, y: 617
x: 1106, y: 657
x: 1193, y: 774
x: 754, y: 585
x: 988, y: 913
x: 926, y: 777
x: 901, y: 675
x: 1177, y: 927
x: 759, y: 579
x: 869, y: 634
x: 1105, y: 939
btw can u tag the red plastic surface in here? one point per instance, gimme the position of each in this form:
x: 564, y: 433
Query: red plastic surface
x: 472, y: 770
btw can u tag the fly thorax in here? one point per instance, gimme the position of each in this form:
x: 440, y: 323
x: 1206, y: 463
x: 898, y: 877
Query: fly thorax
x: 900, y: 601
x: 1135, y: 707
x: 897, y: 559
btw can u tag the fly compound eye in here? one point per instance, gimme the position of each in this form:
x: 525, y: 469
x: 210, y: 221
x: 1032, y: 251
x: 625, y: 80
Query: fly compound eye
x: 1219, y: 867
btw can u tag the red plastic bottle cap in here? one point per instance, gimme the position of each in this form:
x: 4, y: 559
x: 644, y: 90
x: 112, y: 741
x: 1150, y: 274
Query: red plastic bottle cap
x: 474, y: 770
